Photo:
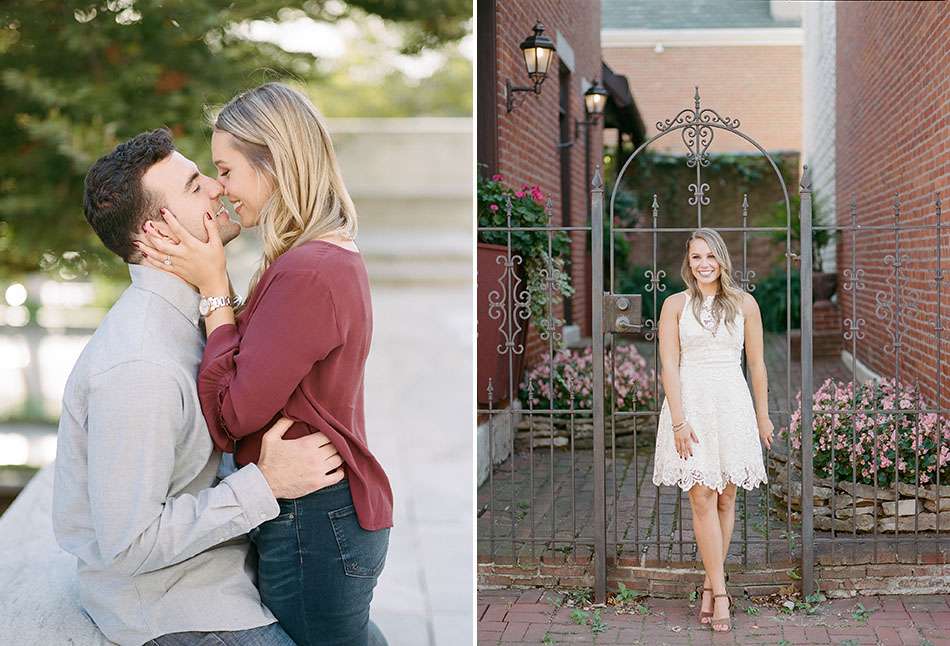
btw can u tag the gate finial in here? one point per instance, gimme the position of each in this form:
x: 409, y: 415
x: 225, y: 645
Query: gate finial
x: 696, y: 97
x: 806, y: 179
x: 598, y: 181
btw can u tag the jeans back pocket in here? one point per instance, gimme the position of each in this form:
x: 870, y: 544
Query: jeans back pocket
x: 363, y: 552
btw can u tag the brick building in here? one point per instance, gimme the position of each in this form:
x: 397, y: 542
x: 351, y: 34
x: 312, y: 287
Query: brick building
x: 523, y: 145
x: 891, y: 137
x: 745, y: 56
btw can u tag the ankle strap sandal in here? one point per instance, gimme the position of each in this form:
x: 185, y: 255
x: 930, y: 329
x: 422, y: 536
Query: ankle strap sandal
x: 702, y: 615
x: 724, y: 624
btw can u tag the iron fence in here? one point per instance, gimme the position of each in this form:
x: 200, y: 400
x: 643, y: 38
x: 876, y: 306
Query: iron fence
x: 546, y: 497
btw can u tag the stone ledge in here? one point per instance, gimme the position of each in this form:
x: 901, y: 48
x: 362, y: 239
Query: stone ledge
x: 40, y: 604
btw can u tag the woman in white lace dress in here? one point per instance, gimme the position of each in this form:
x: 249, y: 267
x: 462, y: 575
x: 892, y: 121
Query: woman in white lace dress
x: 708, y: 439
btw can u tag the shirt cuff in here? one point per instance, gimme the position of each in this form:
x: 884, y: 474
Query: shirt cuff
x: 253, y: 494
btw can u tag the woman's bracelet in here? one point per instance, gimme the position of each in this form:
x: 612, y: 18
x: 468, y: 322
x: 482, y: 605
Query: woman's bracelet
x: 680, y: 426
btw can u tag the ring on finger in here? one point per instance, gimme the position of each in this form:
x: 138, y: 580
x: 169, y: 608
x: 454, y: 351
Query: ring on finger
x: 167, y: 261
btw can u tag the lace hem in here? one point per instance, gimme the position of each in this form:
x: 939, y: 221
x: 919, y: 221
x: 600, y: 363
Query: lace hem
x: 685, y: 478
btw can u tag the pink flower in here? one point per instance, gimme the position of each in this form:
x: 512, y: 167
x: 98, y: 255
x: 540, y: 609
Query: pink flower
x: 497, y: 177
x: 519, y: 194
x: 493, y: 208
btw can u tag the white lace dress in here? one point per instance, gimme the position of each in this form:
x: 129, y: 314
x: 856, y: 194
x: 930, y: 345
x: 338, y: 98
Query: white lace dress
x: 717, y: 404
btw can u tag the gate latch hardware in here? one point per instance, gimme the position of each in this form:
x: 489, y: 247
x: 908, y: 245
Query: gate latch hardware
x: 622, y: 313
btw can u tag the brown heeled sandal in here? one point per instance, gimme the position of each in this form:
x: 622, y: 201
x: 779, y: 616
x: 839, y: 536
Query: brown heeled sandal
x: 702, y: 614
x: 721, y: 621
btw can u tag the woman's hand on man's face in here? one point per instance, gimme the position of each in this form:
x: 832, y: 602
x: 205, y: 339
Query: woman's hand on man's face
x: 174, y: 250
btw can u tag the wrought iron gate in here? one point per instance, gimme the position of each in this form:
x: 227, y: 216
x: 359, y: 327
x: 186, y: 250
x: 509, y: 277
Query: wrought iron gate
x: 548, y: 495
x: 697, y: 127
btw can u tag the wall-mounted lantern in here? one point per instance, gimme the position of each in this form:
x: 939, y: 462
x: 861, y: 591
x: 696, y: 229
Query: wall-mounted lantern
x: 538, y: 51
x: 595, y: 100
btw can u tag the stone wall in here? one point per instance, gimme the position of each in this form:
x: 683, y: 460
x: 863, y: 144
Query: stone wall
x: 861, y: 508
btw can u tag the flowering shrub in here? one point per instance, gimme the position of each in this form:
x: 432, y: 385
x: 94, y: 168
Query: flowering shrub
x: 527, y: 210
x: 875, y: 446
x: 573, y: 372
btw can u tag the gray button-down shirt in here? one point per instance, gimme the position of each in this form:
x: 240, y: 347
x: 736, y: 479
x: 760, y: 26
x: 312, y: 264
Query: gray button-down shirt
x: 136, y: 498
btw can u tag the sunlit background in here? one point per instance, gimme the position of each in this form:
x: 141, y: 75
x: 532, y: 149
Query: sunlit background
x: 396, y: 85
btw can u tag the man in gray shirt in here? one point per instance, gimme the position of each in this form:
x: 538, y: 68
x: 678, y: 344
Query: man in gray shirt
x: 160, y: 542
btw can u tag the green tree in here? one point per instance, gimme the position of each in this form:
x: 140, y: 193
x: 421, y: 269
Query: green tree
x: 447, y: 92
x: 77, y: 77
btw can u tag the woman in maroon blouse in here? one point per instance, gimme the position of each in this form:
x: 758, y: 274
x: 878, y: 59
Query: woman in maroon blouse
x: 297, y: 349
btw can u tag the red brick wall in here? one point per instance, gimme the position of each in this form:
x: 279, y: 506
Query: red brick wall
x: 893, y: 129
x: 528, y: 136
x: 759, y: 85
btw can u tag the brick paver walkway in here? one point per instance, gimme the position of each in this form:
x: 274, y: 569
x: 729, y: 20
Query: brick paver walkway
x: 543, y: 617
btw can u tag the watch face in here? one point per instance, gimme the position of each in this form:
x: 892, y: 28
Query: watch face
x: 203, y: 306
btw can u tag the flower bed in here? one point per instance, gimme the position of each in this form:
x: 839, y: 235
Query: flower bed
x: 567, y: 384
x: 873, y: 470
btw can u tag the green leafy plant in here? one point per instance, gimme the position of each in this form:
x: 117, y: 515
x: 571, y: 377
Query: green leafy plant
x: 813, y: 601
x: 544, y: 253
x: 580, y: 596
x: 625, y: 594
x: 597, y: 624
x: 810, y: 605
x: 772, y: 296
x: 777, y: 217
x: 580, y: 617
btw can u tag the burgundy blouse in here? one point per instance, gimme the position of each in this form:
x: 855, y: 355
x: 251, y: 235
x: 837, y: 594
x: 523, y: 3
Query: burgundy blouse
x: 298, y: 350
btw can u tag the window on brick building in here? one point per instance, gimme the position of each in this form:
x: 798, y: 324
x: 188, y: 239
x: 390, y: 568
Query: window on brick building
x: 487, y: 147
x: 564, y: 121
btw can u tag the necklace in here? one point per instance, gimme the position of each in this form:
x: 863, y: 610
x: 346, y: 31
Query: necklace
x: 706, y: 316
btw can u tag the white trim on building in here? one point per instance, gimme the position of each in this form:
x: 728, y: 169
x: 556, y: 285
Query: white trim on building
x: 651, y: 38
x: 818, y: 112
x: 565, y: 52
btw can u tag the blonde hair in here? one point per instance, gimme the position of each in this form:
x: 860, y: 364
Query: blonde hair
x: 286, y: 140
x: 728, y: 299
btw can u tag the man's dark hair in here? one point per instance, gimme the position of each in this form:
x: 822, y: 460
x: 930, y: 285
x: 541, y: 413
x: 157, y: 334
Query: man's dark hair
x: 115, y: 202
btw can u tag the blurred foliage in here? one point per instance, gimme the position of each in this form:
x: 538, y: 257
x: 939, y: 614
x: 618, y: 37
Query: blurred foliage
x: 344, y: 88
x: 78, y: 77
x: 820, y: 238
x: 772, y: 296
x: 429, y: 23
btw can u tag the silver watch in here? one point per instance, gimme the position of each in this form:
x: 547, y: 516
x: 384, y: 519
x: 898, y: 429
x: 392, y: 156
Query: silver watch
x: 210, y: 304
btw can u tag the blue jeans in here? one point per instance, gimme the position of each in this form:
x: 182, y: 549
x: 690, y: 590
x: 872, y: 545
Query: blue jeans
x: 317, y: 569
x: 271, y: 635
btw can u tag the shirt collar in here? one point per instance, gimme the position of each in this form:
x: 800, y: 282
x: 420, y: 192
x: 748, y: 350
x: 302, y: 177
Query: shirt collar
x: 170, y: 288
